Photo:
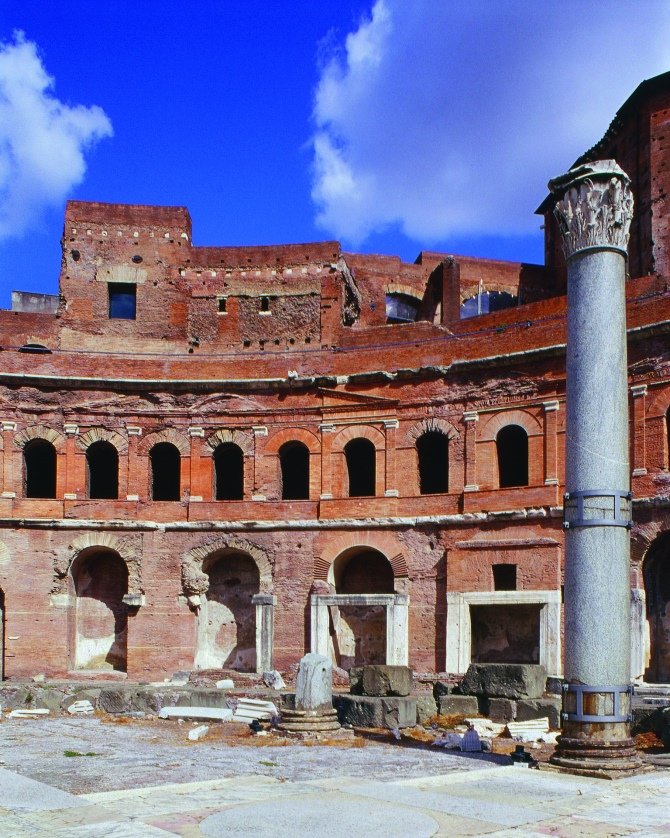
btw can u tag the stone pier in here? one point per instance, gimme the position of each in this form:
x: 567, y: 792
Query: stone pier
x: 594, y: 207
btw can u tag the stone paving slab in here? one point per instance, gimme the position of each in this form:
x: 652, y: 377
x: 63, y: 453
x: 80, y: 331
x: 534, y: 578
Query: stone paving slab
x: 265, y: 791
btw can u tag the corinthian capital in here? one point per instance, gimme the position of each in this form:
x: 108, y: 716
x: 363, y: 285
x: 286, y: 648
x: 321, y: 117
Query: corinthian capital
x: 594, y: 207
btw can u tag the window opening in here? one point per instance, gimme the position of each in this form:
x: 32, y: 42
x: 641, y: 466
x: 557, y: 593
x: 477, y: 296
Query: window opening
x: 229, y: 471
x: 360, y: 458
x: 102, y: 462
x: 294, y: 466
x: 40, y: 469
x: 265, y: 304
x: 504, y: 577
x: 486, y: 302
x: 222, y: 305
x: 122, y: 300
x: 165, y: 472
x: 35, y: 349
x: 401, y: 308
x: 512, y: 448
x: 433, y: 453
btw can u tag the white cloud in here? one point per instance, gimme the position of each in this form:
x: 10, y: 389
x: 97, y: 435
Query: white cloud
x: 448, y: 118
x: 42, y: 140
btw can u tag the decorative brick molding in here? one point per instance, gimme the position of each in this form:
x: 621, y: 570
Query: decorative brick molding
x: 40, y: 432
x: 195, y: 581
x: 126, y: 547
x: 170, y: 435
x: 236, y: 436
x: 280, y: 438
x: 431, y: 425
x: 350, y: 432
x: 488, y: 429
x: 103, y: 435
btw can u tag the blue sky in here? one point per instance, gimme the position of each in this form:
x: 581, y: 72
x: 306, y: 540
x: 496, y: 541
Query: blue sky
x: 389, y: 125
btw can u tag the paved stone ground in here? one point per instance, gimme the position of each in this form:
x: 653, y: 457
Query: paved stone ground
x: 145, y: 779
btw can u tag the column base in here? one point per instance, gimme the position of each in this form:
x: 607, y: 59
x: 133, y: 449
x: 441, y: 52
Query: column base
x: 604, y: 758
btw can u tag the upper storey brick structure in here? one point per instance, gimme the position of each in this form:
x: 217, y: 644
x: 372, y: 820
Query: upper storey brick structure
x: 191, y: 436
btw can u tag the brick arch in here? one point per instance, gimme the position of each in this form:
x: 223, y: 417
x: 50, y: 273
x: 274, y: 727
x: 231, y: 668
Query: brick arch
x: 103, y: 435
x: 470, y: 291
x: 195, y: 581
x: 431, y: 424
x: 166, y: 435
x: 240, y: 438
x: 40, y: 432
x: 292, y: 435
x: 658, y: 404
x: 384, y: 543
x: 399, y: 288
x: 126, y: 548
x: 644, y: 535
x: 501, y: 419
x: 375, y: 436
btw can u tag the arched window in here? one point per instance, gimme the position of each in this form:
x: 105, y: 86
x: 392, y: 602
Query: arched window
x: 360, y: 457
x: 432, y: 449
x: 39, y: 458
x: 102, y: 461
x: 512, y: 446
x: 294, y: 466
x: 165, y: 471
x: 229, y: 471
x: 401, y: 308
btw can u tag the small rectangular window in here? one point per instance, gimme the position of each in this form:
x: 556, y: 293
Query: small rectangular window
x: 504, y: 577
x: 222, y: 305
x: 122, y: 300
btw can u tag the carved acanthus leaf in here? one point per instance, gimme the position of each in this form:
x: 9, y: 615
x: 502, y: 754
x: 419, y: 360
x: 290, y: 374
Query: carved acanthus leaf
x: 594, y: 207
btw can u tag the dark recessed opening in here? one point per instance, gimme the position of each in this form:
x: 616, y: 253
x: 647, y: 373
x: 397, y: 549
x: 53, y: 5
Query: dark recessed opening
x: 39, y: 458
x: 137, y: 258
x: 265, y: 304
x: 504, y: 577
x: 512, y: 450
x: 76, y: 255
x: 102, y: 461
x: 122, y: 300
x: 229, y: 471
x: 294, y: 465
x: 433, y: 452
x: 360, y: 456
x: 165, y: 471
x: 35, y: 349
x: 222, y: 305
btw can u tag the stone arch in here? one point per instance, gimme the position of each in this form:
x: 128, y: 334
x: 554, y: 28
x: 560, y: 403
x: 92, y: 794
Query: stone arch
x: 51, y: 435
x: 195, y: 582
x: 125, y: 547
x: 489, y: 429
x: 237, y: 437
x: 292, y: 435
x: 166, y: 435
x: 431, y: 424
x: 103, y: 435
x: 407, y: 290
x: 383, y: 543
x: 375, y: 436
x: 658, y: 402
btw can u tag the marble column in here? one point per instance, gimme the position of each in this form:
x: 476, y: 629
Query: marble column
x: 594, y: 207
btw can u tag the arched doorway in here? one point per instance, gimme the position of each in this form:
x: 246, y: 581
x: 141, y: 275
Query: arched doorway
x: 101, y: 617
x: 359, y: 629
x: 656, y: 573
x: 227, y: 618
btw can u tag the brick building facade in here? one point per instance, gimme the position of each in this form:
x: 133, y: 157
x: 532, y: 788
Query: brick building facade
x: 223, y: 457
